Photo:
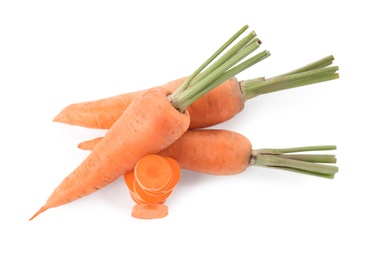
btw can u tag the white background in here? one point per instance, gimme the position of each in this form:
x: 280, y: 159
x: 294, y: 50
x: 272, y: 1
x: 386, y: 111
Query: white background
x: 53, y: 53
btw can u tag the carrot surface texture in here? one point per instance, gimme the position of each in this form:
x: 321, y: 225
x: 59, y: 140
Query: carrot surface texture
x: 154, y: 120
x: 217, y: 106
x: 150, y: 184
x: 225, y: 152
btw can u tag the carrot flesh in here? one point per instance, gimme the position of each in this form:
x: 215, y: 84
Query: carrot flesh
x: 148, y: 197
x: 129, y: 179
x: 136, y: 198
x: 152, y: 172
x: 149, y: 211
x: 176, y: 173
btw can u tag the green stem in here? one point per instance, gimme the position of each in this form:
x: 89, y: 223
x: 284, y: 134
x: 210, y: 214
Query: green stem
x: 255, y: 87
x: 241, y: 67
x: 313, y: 164
x: 321, y: 63
x: 230, y: 73
x: 318, y: 158
x: 297, y: 149
x: 203, y: 82
x: 229, y: 54
x: 209, y: 60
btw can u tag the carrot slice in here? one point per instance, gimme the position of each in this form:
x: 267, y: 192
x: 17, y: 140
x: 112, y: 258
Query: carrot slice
x: 149, y: 211
x: 129, y: 180
x: 152, y: 172
x: 175, y: 168
x: 149, y: 198
x: 136, y: 198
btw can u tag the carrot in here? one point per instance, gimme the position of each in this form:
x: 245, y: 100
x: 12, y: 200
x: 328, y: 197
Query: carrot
x: 220, y: 105
x: 152, y: 169
x: 153, y: 121
x: 175, y: 168
x: 149, y: 211
x: 139, y: 195
x: 153, y: 173
x: 224, y: 152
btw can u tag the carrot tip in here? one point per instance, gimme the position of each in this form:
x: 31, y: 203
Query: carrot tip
x: 42, y: 209
x: 149, y: 211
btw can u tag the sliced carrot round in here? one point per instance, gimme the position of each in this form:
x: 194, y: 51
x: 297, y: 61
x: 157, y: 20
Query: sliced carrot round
x: 157, y: 193
x: 129, y: 179
x: 149, y: 198
x: 152, y: 172
x: 149, y: 211
x: 175, y: 168
x: 135, y: 197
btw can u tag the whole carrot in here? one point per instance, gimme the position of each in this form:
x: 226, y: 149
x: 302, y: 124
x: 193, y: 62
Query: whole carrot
x: 225, y: 152
x: 153, y: 121
x: 217, y: 106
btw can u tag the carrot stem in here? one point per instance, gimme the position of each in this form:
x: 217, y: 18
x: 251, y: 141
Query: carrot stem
x: 201, y: 83
x: 242, y: 44
x: 313, y: 164
x: 185, y: 84
x: 321, y: 63
x: 318, y: 158
x: 238, y: 68
x: 204, y: 85
x: 255, y: 87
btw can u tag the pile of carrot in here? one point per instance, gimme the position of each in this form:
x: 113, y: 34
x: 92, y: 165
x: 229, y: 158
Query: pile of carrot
x: 150, y: 184
x: 152, y: 134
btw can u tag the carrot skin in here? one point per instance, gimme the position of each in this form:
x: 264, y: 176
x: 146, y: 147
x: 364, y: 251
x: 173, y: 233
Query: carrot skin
x: 209, y: 110
x: 211, y: 151
x: 218, y: 106
x: 148, y: 125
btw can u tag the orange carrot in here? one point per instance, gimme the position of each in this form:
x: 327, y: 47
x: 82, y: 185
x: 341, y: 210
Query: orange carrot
x: 224, y: 152
x: 153, y: 173
x: 220, y: 105
x: 139, y: 195
x: 149, y: 211
x: 150, y: 114
x: 175, y: 168
x: 153, y: 121
x: 152, y: 169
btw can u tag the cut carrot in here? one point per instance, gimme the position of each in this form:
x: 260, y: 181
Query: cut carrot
x: 152, y: 172
x: 147, y: 164
x: 149, y: 211
x: 153, y: 121
x: 129, y: 179
x: 148, y: 197
x: 175, y: 168
x: 218, y: 106
x: 136, y: 198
